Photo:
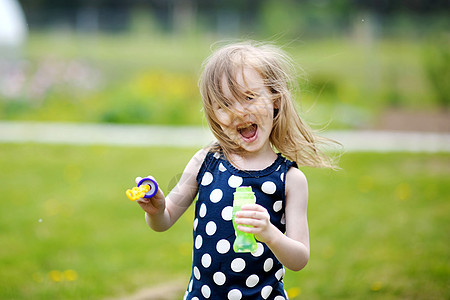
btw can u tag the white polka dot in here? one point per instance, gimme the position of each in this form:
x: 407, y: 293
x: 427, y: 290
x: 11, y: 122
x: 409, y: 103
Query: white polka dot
x: 278, y: 168
x: 278, y: 205
x: 235, y: 181
x: 206, y: 291
x: 216, y: 195
x: 222, y: 168
x: 269, y: 187
x: 265, y: 292
x: 206, y: 260
x: 195, y: 224
x: 282, y: 177
x: 223, y: 246
x: 219, y: 278
x: 196, y: 273
x: 207, y: 178
x: 195, y: 298
x: 279, y: 274
x: 283, y: 219
x: 252, y: 280
x: 279, y: 298
x: 211, y: 228
x: 227, y: 213
x: 238, y: 264
x: 234, y: 294
x: 259, y: 250
x: 190, y: 286
x: 268, y: 264
x: 202, y: 211
x: 216, y: 155
x: 198, y: 242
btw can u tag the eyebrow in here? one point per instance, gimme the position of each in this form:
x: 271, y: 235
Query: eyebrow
x: 251, y: 92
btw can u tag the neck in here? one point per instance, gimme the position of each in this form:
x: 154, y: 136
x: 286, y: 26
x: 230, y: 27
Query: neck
x: 253, y: 161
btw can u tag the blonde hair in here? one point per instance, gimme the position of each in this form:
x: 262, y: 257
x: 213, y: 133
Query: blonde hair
x: 290, y: 135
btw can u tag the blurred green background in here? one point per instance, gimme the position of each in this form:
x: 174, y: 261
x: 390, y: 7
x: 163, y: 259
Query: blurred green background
x: 139, y: 61
x: 379, y: 227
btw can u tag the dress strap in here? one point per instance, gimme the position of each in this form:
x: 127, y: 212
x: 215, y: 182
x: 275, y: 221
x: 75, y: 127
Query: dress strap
x: 206, y: 163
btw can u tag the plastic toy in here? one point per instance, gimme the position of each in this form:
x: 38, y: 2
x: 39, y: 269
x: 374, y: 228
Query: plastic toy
x: 146, y: 188
x: 244, y: 242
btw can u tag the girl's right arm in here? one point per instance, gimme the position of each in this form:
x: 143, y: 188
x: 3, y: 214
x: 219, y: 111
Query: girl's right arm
x: 162, y: 212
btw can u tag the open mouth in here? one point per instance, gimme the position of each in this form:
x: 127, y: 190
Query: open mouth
x: 248, y: 131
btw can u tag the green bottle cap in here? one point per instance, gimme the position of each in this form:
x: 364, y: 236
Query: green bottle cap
x: 244, y: 195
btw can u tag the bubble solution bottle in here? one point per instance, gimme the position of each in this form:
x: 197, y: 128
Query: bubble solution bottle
x: 244, y: 242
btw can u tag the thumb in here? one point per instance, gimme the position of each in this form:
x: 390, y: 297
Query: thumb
x: 137, y: 179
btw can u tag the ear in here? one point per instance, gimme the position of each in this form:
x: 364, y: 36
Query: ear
x: 276, y: 98
x: 277, y: 101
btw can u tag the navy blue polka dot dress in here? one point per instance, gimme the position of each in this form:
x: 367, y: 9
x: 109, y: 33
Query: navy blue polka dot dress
x: 217, y: 271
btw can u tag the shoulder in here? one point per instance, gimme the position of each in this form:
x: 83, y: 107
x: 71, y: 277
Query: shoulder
x: 296, y: 183
x: 199, y: 163
x: 197, y: 160
x: 295, y: 174
x: 200, y: 155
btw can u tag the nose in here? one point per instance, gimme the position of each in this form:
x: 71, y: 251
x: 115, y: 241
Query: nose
x: 239, y: 108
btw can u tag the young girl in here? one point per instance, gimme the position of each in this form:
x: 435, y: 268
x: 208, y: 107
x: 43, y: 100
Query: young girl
x: 246, y: 94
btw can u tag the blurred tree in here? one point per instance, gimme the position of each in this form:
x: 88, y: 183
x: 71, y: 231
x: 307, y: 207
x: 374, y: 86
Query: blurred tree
x: 392, y: 6
x: 281, y: 18
x: 178, y: 14
x: 436, y: 60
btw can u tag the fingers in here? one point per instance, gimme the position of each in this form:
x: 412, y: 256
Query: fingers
x: 253, y: 211
x: 155, y: 200
x: 143, y: 200
x: 250, y: 225
x: 252, y: 215
x: 137, y: 179
x: 256, y: 207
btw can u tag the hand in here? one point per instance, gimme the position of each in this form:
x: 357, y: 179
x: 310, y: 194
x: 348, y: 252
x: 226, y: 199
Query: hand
x: 256, y: 216
x: 155, y: 205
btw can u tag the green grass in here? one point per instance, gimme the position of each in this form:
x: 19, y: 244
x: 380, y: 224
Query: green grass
x: 379, y: 227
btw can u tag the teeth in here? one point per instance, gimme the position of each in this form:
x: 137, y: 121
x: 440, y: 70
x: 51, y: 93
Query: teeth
x: 240, y: 127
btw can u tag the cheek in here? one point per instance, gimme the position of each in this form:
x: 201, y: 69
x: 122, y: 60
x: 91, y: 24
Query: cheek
x: 263, y: 110
x: 223, y: 117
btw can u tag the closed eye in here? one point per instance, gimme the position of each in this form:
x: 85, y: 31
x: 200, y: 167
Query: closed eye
x: 250, y: 96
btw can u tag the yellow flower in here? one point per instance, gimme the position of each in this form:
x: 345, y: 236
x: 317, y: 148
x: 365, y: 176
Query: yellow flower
x: 294, y: 292
x: 376, y: 286
x: 70, y: 275
x: 403, y: 191
x: 56, y: 275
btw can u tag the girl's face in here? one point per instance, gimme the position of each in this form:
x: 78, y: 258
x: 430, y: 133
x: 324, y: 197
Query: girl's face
x: 249, y: 121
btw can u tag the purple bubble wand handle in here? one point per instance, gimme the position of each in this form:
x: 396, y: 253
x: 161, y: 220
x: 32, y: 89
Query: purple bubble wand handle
x: 153, y: 186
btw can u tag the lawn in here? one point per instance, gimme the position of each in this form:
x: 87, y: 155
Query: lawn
x: 379, y: 227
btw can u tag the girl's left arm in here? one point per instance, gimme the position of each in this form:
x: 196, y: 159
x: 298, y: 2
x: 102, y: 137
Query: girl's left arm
x: 292, y: 248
